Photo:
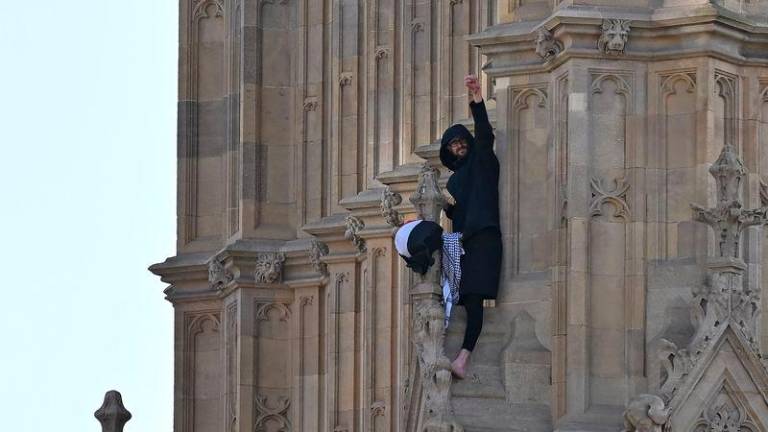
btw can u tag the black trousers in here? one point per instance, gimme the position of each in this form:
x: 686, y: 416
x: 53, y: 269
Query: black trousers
x: 473, y: 303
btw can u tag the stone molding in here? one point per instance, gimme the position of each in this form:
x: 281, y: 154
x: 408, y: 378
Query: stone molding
x: 194, y: 324
x: 193, y: 277
x: 520, y: 47
x: 201, y: 9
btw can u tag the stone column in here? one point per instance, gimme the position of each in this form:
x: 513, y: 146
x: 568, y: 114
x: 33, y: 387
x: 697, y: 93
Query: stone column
x: 429, y: 319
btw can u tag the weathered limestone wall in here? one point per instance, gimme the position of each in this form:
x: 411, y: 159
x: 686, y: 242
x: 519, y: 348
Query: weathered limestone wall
x: 292, y: 113
x: 631, y: 133
x: 293, y: 310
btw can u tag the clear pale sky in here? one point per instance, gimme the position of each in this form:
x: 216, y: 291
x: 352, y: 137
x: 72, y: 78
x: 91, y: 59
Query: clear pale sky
x: 87, y: 186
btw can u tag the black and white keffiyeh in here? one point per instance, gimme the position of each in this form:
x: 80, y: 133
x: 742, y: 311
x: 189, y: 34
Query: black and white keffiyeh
x: 416, y: 241
x: 451, y: 274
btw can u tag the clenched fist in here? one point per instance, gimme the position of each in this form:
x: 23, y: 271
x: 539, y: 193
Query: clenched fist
x: 474, y: 88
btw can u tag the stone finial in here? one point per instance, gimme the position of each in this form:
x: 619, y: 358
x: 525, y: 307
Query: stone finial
x: 429, y: 318
x: 547, y: 47
x: 645, y: 413
x: 427, y: 198
x: 613, y: 38
x: 389, y: 200
x: 724, y: 299
x: 728, y: 218
x: 112, y: 415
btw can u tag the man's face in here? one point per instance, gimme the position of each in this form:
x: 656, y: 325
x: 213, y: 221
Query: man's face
x: 458, y: 147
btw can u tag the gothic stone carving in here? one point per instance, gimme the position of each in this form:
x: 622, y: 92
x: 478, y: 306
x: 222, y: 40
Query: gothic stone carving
x: 617, y: 196
x: 218, y: 275
x: 317, y: 250
x: 263, y: 309
x: 354, y: 226
x: 677, y: 364
x: 345, y: 79
x: 547, y: 47
x: 645, y: 413
x: 428, y: 199
x: 311, y: 103
x: 613, y: 38
x: 429, y: 320
x: 724, y: 413
x: 201, y: 9
x: 728, y: 219
x: 269, y: 267
x: 277, y: 414
x: 381, y: 52
x: 389, y: 200
x: 428, y: 335
x: 378, y: 409
x: 724, y: 299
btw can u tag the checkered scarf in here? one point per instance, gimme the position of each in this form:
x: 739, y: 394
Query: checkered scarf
x: 451, y: 275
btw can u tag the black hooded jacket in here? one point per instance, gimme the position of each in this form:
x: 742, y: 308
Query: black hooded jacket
x: 474, y: 183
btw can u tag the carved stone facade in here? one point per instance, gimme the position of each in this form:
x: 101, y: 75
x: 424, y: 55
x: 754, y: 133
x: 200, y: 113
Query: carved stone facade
x: 303, y: 129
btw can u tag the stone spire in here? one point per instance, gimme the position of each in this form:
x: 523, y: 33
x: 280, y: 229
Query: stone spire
x: 724, y: 313
x: 725, y: 297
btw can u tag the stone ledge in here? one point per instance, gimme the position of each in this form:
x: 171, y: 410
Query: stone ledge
x: 669, y: 34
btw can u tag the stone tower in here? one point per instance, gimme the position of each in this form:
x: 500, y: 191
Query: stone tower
x: 302, y: 129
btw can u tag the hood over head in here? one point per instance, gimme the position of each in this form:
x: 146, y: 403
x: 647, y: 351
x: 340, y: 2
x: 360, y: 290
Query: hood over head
x: 446, y: 157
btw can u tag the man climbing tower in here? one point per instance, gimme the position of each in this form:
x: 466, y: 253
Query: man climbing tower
x: 474, y: 186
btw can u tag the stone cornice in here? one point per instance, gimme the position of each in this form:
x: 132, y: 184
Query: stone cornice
x: 269, y: 264
x: 669, y: 34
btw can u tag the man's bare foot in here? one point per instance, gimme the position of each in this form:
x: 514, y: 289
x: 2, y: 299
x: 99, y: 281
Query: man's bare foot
x: 459, y: 366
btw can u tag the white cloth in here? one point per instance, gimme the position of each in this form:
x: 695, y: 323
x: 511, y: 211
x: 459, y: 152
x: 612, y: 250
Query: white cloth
x: 401, y: 238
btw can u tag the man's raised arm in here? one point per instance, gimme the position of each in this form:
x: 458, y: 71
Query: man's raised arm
x: 483, y: 131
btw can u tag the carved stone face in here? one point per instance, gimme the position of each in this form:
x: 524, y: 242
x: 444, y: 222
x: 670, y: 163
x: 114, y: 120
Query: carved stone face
x: 545, y: 46
x: 269, y: 267
x: 614, y: 36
